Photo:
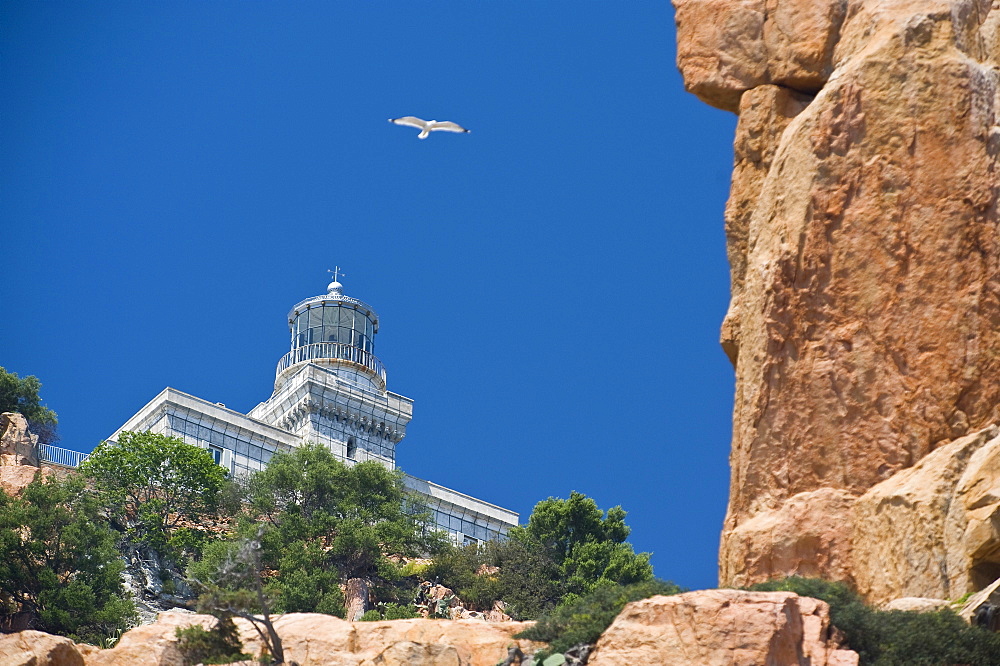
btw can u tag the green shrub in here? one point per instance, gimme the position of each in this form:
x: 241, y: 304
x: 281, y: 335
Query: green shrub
x: 399, y: 612
x: 389, y: 612
x: 584, y: 619
x: 896, y: 638
x: 219, y: 645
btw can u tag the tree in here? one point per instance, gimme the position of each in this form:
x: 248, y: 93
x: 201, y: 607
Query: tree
x: 21, y: 396
x: 232, y: 586
x: 59, y: 570
x: 568, y: 548
x: 151, y: 482
x: 328, y: 518
x: 587, y: 546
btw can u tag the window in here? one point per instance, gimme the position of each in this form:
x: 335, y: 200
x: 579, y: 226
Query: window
x: 216, y: 454
x: 352, y: 447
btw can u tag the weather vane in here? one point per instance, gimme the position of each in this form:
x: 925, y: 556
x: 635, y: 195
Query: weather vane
x: 337, y: 273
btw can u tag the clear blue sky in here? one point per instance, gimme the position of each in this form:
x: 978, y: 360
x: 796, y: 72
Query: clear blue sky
x: 174, y: 176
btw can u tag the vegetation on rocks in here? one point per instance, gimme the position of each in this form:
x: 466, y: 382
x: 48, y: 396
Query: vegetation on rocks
x: 583, y: 619
x: 20, y: 395
x: 59, y: 569
x: 219, y: 645
x: 568, y: 548
x: 149, y: 483
x: 896, y: 638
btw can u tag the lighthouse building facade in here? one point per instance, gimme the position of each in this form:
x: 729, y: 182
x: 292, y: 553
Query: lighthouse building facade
x: 329, y: 389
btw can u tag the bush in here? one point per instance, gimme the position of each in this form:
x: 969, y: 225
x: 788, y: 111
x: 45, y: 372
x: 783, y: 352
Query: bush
x: 389, y: 612
x: 584, y: 619
x: 59, y: 569
x: 896, y: 638
x: 220, y: 645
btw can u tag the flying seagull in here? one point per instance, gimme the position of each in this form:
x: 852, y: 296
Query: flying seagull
x: 427, y: 126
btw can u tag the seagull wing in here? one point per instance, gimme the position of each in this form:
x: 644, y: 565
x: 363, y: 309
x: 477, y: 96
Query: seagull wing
x: 448, y: 126
x: 410, y: 121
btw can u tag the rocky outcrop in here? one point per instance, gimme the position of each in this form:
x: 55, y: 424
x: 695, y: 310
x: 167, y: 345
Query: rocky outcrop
x: 309, y: 639
x: 314, y: 640
x: 18, y: 453
x: 863, y: 239
x: 728, y: 627
x: 932, y: 530
x: 18, y: 446
x: 36, y: 648
x: 151, y: 644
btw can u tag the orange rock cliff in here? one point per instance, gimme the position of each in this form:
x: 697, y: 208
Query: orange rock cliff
x: 863, y: 239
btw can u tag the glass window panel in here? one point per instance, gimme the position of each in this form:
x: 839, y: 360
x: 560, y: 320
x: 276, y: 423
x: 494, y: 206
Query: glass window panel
x: 369, y: 328
x: 345, y: 335
x: 359, y: 324
x: 346, y: 317
x: 330, y: 315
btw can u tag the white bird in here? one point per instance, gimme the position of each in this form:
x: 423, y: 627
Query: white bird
x: 427, y: 126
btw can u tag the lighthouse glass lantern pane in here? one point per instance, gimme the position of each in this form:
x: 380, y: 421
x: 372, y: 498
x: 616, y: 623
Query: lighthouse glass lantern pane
x: 359, y: 330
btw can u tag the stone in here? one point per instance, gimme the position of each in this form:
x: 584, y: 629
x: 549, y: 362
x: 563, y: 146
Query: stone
x: 929, y: 530
x: 312, y: 639
x: 864, y: 323
x: 15, y: 478
x: 716, y: 627
x: 988, y: 596
x: 916, y: 605
x: 18, y: 446
x: 150, y: 644
x: 356, y: 598
x: 36, y: 648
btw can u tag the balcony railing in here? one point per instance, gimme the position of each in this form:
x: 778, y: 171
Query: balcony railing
x: 54, y: 455
x: 334, y: 351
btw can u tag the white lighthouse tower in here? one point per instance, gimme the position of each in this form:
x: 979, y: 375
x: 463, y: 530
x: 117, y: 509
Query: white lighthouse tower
x: 330, y: 387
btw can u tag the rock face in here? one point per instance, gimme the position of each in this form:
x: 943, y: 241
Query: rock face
x: 865, y: 253
x: 723, y: 627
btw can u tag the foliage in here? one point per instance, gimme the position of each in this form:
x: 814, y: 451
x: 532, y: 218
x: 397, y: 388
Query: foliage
x: 588, y: 546
x: 21, y: 396
x: 896, y: 638
x: 584, y: 619
x: 233, y: 587
x: 389, y: 612
x: 151, y: 482
x: 58, y: 563
x: 219, y: 645
x: 329, y: 522
x: 568, y: 548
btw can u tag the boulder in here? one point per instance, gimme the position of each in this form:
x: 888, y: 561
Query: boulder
x: 36, y: 648
x: 809, y: 535
x: 930, y: 530
x: 916, y: 605
x: 18, y: 446
x: 716, y: 627
x: 862, y: 235
x: 149, y: 644
x: 313, y: 639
